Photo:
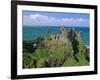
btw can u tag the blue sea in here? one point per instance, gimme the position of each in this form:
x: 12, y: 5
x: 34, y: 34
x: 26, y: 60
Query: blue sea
x: 32, y: 33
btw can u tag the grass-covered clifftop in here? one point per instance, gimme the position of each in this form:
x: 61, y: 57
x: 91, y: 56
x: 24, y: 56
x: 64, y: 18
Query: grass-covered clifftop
x: 63, y: 49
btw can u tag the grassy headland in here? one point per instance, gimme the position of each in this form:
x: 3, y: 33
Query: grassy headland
x: 63, y: 49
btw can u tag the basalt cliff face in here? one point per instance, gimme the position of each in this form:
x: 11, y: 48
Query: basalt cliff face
x: 63, y: 49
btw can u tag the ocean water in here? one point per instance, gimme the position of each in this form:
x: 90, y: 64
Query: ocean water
x: 32, y: 33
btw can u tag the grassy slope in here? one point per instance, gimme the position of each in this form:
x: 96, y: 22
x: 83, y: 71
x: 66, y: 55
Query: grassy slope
x: 82, y: 60
x: 71, y: 62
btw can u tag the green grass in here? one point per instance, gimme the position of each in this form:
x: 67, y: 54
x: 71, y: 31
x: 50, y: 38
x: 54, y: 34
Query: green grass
x: 82, y: 60
x: 71, y: 62
x: 40, y: 63
x: 40, y: 53
x: 59, y: 52
x: 27, y: 60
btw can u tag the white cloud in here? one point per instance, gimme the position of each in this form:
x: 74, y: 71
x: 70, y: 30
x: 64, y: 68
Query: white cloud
x: 42, y: 20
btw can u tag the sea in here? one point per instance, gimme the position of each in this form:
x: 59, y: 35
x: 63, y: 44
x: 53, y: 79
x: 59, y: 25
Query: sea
x: 33, y: 32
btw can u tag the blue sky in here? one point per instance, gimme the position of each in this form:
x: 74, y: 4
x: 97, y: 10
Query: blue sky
x: 31, y: 18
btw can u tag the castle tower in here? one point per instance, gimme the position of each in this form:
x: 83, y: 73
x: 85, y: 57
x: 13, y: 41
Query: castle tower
x: 62, y: 29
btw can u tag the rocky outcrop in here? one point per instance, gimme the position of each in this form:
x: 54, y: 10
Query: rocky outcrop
x: 66, y: 44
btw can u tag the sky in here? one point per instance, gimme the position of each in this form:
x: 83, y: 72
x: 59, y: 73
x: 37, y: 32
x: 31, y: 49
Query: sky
x: 32, y: 18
